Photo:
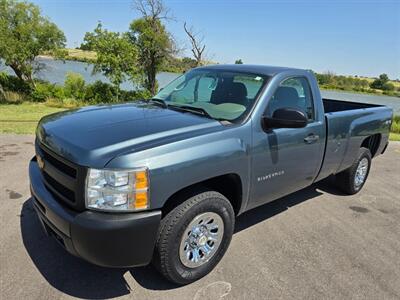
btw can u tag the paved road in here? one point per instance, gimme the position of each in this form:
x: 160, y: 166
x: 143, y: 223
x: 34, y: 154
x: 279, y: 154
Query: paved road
x: 314, y: 244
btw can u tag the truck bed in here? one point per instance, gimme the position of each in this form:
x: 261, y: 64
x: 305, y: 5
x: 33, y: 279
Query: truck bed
x: 331, y: 105
x: 348, y: 124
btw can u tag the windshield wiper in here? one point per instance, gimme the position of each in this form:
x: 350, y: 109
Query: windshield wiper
x: 159, y: 101
x: 191, y: 109
x: 186, y: 108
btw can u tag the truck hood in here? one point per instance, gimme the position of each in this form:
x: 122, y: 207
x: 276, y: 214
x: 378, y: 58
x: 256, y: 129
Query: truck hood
x: 92, y: 136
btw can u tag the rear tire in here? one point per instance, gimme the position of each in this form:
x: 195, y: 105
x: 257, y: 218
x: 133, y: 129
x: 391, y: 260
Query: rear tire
x: 353, y: 179
x: 184, y: 237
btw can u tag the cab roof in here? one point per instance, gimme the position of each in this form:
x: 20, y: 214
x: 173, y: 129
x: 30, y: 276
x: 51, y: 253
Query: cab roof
x: 254, y: 69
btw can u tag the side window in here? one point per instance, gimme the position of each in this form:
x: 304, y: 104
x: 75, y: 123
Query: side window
x: 293, y: 93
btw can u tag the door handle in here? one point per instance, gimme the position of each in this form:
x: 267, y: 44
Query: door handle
x: 311, y: 138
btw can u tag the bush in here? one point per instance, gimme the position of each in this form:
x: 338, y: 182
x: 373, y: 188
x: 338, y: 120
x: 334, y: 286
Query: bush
x: 74, y: 86
x: 134, y: 95
x: 100, y: 92
x: 13, y: 84
x: 42, y: 91
x: 388, y: 86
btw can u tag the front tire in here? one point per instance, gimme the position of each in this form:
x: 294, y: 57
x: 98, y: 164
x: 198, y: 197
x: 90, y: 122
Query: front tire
x: 193, y: 237
x: 353, y: 179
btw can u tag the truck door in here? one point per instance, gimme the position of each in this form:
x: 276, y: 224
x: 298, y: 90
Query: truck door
x: 286, y: 159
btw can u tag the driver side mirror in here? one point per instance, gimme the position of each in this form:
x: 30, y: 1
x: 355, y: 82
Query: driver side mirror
x: 285, y: 118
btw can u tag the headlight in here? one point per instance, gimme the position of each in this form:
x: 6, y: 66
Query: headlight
x: 117, y: 190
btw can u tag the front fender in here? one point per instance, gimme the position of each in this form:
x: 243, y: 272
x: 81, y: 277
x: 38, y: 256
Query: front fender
x: 177, y: 165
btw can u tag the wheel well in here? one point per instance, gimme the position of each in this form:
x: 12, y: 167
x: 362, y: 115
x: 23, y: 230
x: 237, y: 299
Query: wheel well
x: 229, y: 185
x: 372, y: 143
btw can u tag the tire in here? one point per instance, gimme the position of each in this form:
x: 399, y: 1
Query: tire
x: 347, y: 181
x: 174, y: 231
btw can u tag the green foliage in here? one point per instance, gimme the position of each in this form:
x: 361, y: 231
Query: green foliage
x: 332, y: 81
x: 14, y: 84
x: 380, y: 82
x: 100, y: 92
x: 154, y: 45
x: 41, y: 92
x: 239, y: 62
x: 116, y: 55
x: 74, y: 86
x: 88, y: 42
x: 347, y: 83
x: 395, y: 125
x: 24, y: 34
x: 74, y: 92
x: 388, y: 86
x: 178, y: 65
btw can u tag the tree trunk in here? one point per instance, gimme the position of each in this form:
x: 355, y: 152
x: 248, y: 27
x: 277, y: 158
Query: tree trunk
x: 22, y: 76
x: 151, y: 81
x: 17, y: 71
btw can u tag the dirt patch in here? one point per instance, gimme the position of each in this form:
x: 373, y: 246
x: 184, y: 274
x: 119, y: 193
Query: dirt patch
x: 13, y: 194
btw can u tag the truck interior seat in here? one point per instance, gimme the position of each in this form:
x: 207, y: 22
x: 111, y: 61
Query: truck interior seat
x: 285, y: 96
x: 234, y: 92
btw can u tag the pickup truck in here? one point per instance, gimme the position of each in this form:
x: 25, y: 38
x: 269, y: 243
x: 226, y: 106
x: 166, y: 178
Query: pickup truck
x: 162, y: 180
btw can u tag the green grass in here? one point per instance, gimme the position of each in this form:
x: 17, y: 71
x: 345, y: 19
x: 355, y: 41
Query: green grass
x: 23, y: 118
x: 81, y: 55
x: 394, y: 137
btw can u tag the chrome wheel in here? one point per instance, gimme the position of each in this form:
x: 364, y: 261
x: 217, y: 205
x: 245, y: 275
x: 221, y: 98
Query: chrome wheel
x: 201, y: 239
x: 361, y: 172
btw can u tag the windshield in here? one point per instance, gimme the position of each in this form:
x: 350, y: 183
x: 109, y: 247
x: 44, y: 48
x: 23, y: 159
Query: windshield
x: 221, y: 95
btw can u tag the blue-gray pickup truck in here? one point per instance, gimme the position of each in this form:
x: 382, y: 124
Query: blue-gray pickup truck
x: 162, y: 180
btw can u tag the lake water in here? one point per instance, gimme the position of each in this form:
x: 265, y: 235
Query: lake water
x: 54, y: 71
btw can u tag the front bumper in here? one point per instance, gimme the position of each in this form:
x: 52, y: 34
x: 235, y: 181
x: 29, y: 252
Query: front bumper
x: 105, y: 239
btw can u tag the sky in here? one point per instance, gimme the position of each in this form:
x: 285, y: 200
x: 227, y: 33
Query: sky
x: 344, y: 37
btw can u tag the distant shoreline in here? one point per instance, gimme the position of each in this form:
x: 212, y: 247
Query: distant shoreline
x: 89, y: 57
x: 359, y: 92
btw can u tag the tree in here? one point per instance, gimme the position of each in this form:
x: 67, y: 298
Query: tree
x: 117, y: 57
x: 152, y: 40
x: 380, y: 82
x: 24, y: 34
x: 239, y: 62
x: 197, y: 43
x: 87, y: 44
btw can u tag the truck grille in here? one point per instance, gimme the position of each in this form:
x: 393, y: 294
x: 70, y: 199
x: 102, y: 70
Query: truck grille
x: 62, y: 178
